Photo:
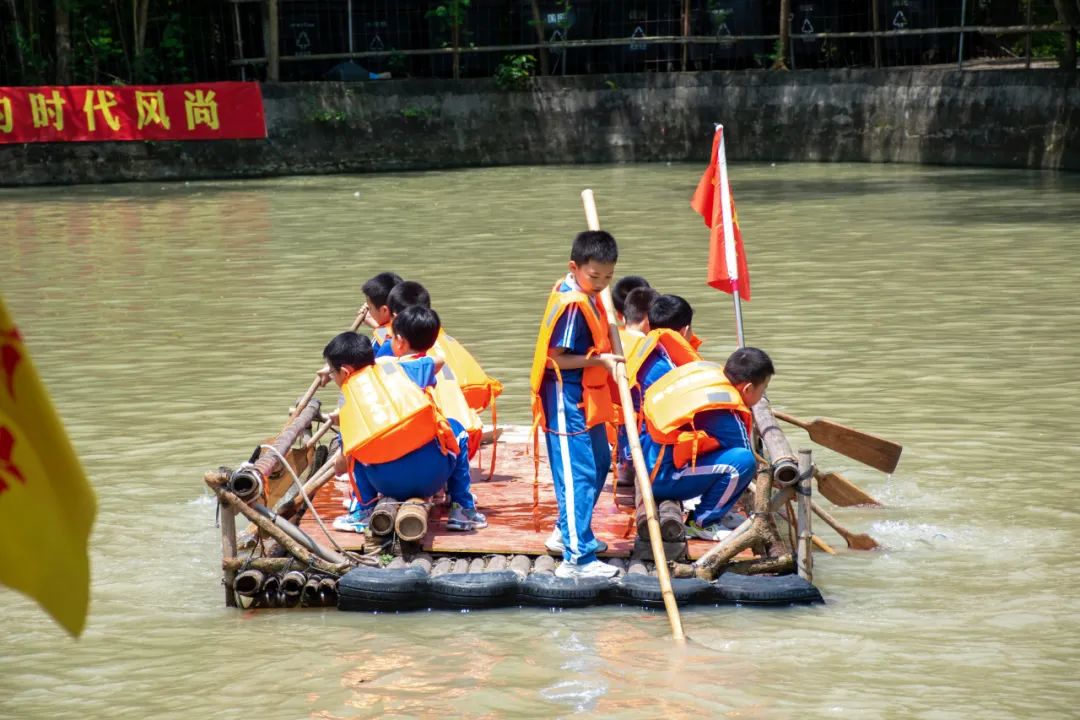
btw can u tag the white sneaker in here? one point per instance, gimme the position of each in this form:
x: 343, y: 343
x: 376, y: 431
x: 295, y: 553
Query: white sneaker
x: 712, y: 532
x: 588, y: 570
x: 554, y: 542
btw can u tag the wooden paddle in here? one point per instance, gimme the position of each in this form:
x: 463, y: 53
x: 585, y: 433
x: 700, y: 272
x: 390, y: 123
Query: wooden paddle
x: 644, y: 484
x: 841, y: 491
x: 877, y: 452
x: 854, y: 541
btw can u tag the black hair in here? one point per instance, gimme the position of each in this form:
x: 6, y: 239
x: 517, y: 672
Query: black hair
x: 406, y: 293
x: 749, y: 364
x: 418, y: 325
x: 623, y: 288
x: 638, y: 302
x: 671, y: 312
x: 350, y: 349
x: 594, y: 245
x: 378, y: 288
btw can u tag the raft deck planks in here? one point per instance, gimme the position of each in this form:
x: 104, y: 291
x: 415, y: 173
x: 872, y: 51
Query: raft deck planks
x: 507, y: 501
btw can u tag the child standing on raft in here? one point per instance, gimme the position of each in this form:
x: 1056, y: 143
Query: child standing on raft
x: 571, y: 398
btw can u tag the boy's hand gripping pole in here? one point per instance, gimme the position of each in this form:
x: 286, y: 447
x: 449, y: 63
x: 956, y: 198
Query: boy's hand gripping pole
x: 318, y: 382
x: 641, y: 472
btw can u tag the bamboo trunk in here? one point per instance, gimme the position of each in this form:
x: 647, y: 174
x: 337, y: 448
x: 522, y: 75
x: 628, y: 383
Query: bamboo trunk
x: 383, y: 516
x: 757, y: 529
x: 228, y: 550
x: 247, y: 482
x: 785, y: 468
x: 412, y: 520
x: 216, y: 481
x: 804, y: 552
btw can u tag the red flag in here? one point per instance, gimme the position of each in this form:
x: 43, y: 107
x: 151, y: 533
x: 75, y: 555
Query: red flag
x: 708, y: 202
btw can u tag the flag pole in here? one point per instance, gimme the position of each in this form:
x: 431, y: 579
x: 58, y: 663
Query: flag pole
x: 729, y: 235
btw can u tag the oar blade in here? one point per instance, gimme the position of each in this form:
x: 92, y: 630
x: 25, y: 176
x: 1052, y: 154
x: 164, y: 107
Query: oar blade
x: 877, y: 452
x: 861, y: 542
x: 842, y: 492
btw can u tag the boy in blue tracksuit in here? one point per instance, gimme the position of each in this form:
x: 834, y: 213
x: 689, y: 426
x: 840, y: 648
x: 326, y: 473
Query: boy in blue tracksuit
x: 719, y: 476
x: 404, y: 294
x: 571, y: 398
x: 376, y: 295
x: 421, y: 472
x: 635, y: 312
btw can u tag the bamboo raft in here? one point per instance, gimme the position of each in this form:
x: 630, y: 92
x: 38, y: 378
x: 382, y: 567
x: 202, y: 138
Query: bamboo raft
x: 289, y: 556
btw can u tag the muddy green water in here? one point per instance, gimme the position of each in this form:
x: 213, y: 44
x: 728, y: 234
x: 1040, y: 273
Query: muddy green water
x: 174, y: 323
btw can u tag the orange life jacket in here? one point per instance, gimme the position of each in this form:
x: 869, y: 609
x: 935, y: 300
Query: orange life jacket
x: 479, y: 389
x: 381, y: 334
x: 630, y: 341
x: 386, y: 416
x: 452, y: 403
x: 679, y: 349
x: 672, y: 402
x: 595, y: 381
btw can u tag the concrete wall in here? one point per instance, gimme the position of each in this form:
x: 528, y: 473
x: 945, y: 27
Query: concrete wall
x: 1001, y: 118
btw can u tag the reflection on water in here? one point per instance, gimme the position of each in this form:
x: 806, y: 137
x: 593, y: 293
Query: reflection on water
x: 937, y: 307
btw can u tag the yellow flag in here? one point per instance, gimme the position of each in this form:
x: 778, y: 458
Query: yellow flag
x: 46, y: 504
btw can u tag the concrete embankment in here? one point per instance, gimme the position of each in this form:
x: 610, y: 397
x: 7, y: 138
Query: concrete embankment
x: 1003, y: 118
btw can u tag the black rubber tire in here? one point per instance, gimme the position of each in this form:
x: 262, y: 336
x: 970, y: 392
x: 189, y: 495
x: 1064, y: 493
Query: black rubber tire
x: 766, y: 590
x: 645, y: 590
x: 475, y: 590
x: 545, y: 590
x: 365, y: 588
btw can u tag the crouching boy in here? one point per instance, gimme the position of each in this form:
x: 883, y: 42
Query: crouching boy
x: 698, y: 417
x: 398, y: 442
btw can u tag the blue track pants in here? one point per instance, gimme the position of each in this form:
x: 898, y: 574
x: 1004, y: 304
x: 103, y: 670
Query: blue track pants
x: 579, y: 462
x: 420, y: 473
x: 719, y: 477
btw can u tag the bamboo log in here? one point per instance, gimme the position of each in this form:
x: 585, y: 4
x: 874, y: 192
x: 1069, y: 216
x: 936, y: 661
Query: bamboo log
x: 423, y: 562
x: 477, y: 565
x: 292, y: 583
x: 242, y: 482
x: 215, y: 481
x: 782, y: 565
x: 669, y: 514
x: 496, y: 563
x: 412, y: 520
x: 521, y: 564
x: 292, y: 505
x: 309, y: 596
x: 784, y: 465
x: 383, y: 516
x: 397, y: 563
x: 266, y: 565
x: 442, y: 566
x: 544, y: 565
x: 758, y: 528
x: 460, y: 566
x: 804, y: 552
x: 228, y: 550
x: 644, y: 483
x: 248, y: 583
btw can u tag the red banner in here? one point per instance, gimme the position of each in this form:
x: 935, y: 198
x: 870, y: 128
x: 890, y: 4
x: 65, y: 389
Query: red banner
x: 96, y: 113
